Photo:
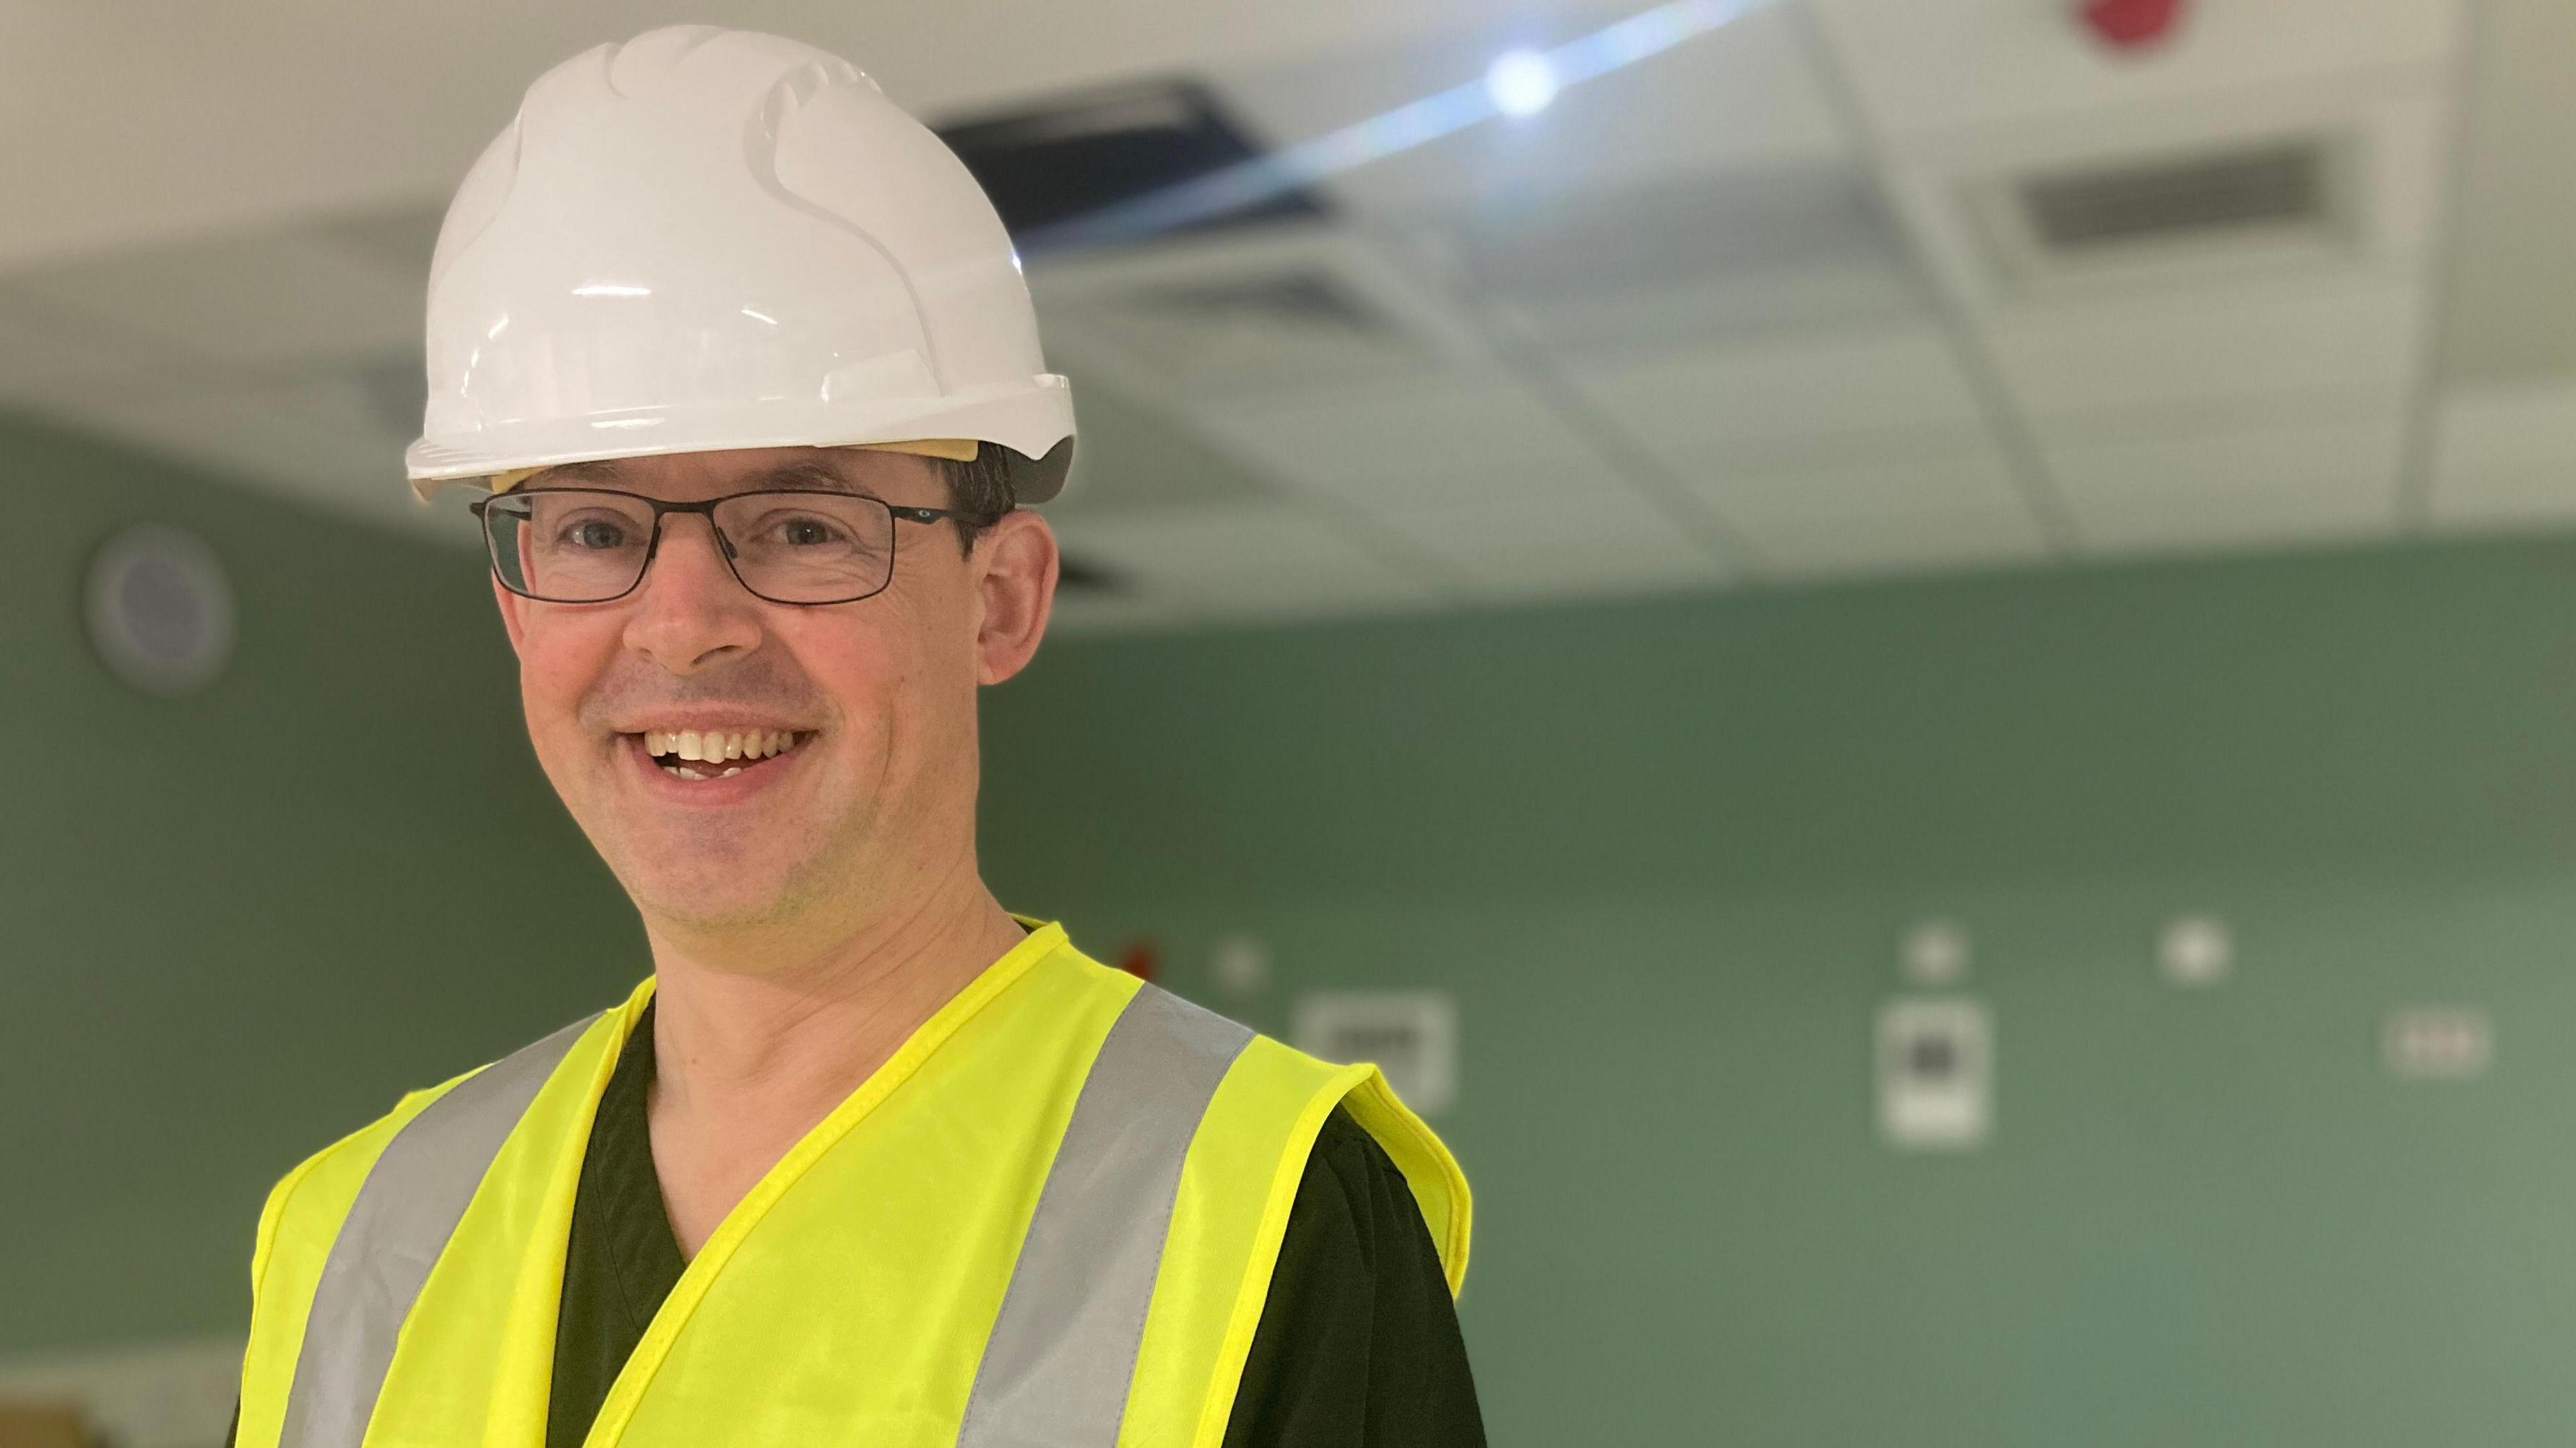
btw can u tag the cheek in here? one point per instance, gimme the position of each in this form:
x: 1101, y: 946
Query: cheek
x: 559, y: 660
x: 875, y: 671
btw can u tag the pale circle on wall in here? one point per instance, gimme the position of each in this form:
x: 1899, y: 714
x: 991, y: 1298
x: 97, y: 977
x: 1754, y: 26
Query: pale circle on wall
x: 160, y: 609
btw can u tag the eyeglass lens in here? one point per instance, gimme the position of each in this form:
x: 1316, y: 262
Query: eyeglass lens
x: 570, y: 545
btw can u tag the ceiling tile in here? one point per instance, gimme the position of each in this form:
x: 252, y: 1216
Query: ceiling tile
x: 1695, y: 407
x: 2506, y: 453
x: 2509, y: 310
x: 1476, y: 436
x: 1253, y: 560
x: 41, y: 342
x: 1740, y: 96
x: 1246, y: 313
x: 2384, y: 155
x: 323, y: 440
x: 1942, y: 499
x: 1936, y: 472
x: 1086, y: 611
x: 1130, y: 456
x: 246, y: 300
x: 2313, y: 478
x: 1897, y: 541
x: 1597, y: 541
x: 1972, y: 63
x: 2236, y: 345
x: 1685, y: 261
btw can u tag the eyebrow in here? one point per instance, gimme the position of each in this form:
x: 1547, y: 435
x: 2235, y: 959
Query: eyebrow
x: 804, y: 473
x: 808, y: 474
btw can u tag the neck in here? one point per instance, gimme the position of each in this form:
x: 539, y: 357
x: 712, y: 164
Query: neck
x: 747, y: 1060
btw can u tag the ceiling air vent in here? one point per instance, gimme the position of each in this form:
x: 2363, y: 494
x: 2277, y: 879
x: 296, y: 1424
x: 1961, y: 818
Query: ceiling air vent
x: 1083, y: 170
x: 2279, y: 199
x: 2273, y: 187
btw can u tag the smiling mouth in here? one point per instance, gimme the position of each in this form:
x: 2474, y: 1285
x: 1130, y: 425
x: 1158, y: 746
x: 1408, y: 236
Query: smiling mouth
x: 690, y: 754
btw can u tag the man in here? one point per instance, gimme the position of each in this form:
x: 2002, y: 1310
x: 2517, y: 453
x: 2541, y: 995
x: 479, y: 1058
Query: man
x: 744, y: 357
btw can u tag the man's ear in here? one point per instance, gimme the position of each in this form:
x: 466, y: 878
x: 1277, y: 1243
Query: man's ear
x: 1015, y: 565
x: 511, y: 618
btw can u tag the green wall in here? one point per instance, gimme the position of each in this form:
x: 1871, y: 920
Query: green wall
x: 1661, y: 851
x: 237, y: 925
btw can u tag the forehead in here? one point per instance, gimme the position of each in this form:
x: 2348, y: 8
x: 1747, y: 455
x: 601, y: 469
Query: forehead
x: 688, y: 477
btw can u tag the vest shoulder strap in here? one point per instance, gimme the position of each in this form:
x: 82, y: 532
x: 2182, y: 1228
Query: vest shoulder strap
x: 348, y: 1237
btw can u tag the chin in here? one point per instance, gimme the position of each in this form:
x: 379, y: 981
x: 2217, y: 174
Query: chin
x: 688, y: 906
x: 714, y: 888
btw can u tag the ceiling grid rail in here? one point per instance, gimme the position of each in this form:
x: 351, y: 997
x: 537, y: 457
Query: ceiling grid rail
x: 2014, y: 437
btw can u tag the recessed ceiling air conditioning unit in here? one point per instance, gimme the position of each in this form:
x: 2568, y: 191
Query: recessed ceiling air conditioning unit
x: 2277, y: 201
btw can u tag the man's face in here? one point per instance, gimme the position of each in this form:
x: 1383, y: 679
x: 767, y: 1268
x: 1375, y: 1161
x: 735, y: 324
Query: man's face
x: 869, y: 706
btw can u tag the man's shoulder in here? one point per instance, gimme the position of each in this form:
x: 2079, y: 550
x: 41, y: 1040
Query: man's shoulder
x: 334, y: 1173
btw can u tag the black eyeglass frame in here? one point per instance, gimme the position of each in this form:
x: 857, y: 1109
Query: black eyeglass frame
x: 900, y: 513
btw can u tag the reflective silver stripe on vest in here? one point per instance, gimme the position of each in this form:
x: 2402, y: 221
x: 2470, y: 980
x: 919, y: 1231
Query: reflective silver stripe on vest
x: 406, y: 1210
x: 1063, y: 1348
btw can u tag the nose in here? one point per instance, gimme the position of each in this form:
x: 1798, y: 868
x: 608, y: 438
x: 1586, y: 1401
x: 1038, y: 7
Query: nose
x: 690, y: 612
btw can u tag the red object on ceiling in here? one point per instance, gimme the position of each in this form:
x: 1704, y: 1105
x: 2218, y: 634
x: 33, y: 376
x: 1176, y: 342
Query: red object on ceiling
x: 2131, y: 24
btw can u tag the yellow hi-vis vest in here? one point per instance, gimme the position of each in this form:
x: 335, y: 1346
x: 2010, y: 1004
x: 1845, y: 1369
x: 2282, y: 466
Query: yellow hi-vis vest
x: 1049, y: 1219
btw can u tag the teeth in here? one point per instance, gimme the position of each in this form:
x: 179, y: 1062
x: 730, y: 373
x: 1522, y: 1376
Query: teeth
x: 713, y: 748
x: 730, y: 773
x: 687, y: 773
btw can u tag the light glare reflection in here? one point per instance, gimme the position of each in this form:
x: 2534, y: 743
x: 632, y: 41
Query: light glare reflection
x: 1521, y: 83
x: 1625, y: 42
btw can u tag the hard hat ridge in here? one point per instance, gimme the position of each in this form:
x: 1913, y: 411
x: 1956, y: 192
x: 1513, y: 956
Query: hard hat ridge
x: 704, y: 239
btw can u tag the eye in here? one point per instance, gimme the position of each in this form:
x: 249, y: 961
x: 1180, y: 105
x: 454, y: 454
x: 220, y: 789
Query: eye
x: 596, y: 533
x: 807, y: 532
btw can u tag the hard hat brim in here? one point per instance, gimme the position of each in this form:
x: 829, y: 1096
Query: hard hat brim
x: 1035, y: 423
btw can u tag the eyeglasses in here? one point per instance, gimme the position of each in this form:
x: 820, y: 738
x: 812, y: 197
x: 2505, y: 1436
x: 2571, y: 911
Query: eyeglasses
x: 788, y: 545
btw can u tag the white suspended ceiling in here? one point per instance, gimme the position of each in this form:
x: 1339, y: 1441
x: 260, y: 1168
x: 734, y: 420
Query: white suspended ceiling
x: 1737, y: 315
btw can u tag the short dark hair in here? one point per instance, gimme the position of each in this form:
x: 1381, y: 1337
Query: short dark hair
x: 981, y: 490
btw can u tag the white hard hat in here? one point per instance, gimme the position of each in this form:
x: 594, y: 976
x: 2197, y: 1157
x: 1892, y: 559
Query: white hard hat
x: 706, y: 239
